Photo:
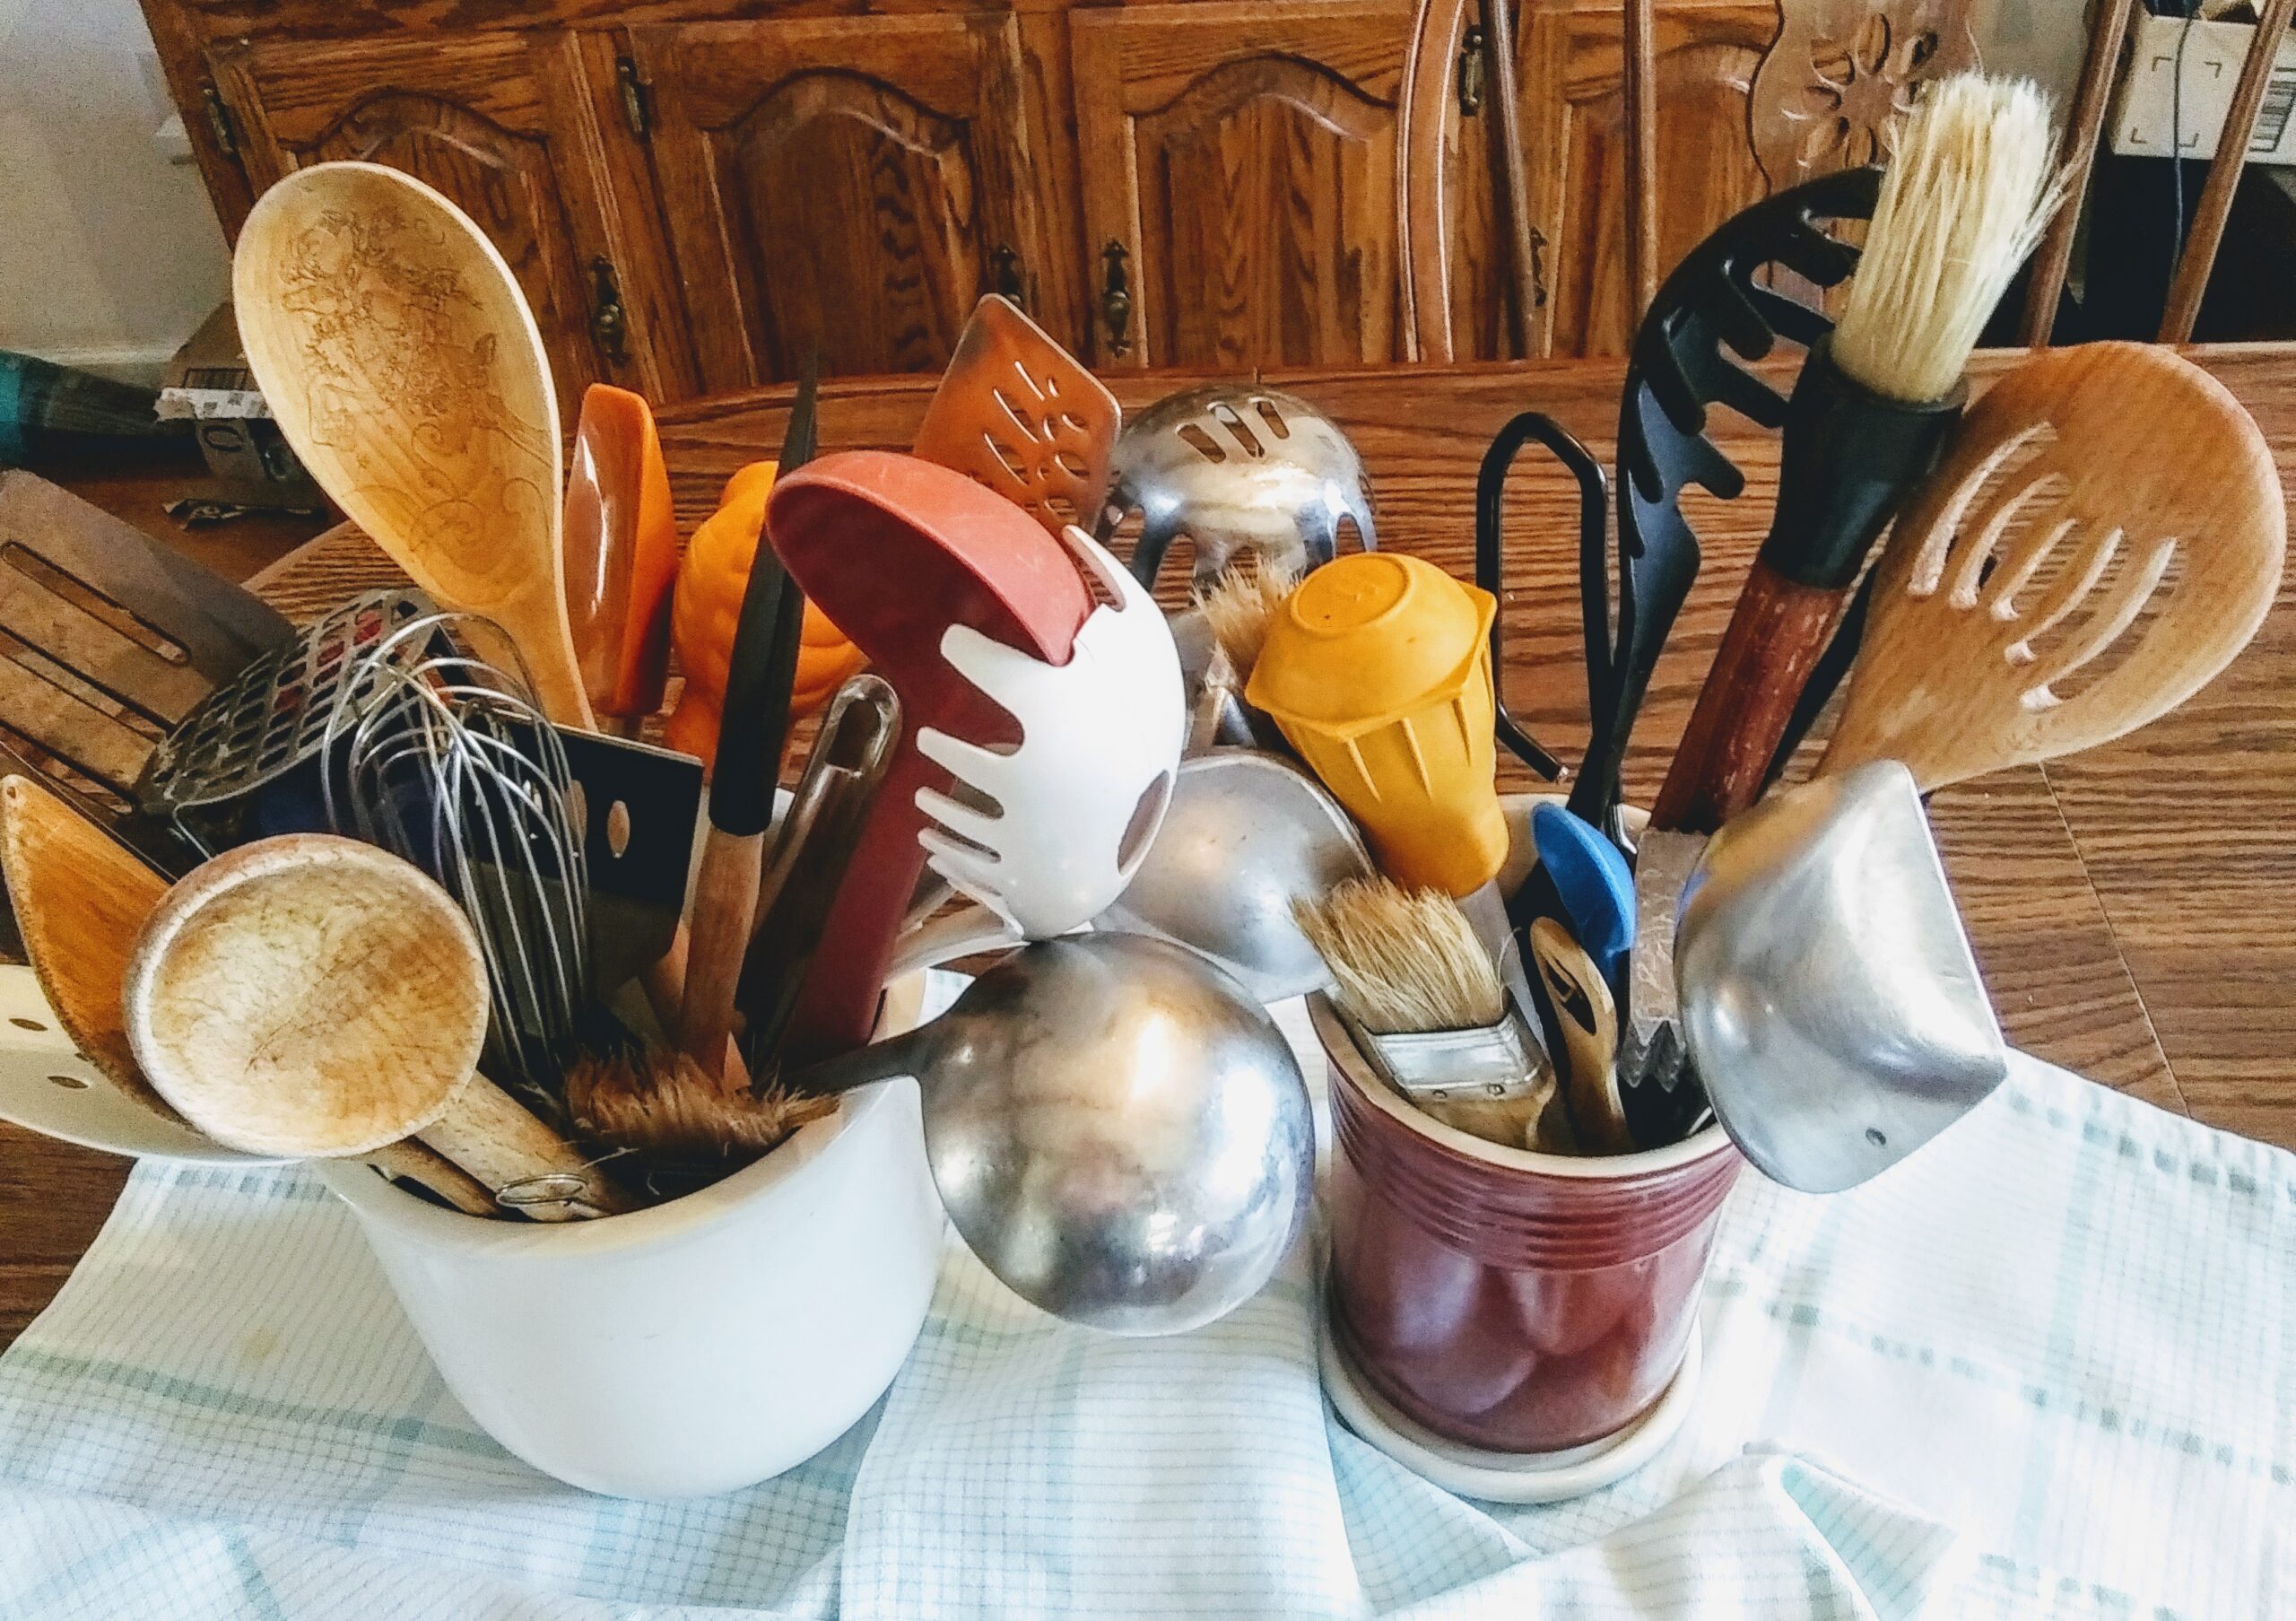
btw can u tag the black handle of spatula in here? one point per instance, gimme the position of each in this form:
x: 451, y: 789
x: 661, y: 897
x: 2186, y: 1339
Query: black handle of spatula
x: 1848, y: 458
x: 1536, y: 427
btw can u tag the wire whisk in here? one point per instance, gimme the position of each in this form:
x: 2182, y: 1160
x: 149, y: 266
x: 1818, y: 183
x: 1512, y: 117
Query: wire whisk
x: 450, y: 761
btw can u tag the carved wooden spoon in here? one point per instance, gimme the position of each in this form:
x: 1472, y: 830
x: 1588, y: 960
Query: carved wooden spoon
x: 2104, y: 534
x: 402, y: 364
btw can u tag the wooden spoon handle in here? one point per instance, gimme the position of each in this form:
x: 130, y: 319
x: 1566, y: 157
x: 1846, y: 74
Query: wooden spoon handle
x: 486, y: 1132
x: 1776, y: 633
x: 410, y: 1161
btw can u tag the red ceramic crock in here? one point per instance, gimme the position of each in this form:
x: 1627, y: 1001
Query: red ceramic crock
x: 1510, y: 1301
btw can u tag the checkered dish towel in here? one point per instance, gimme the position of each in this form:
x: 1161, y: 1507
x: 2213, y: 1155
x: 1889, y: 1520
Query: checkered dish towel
x: 2045, y: 1367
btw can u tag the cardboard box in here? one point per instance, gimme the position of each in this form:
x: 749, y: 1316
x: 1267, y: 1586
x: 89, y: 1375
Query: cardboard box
x: 2146, y: 109
x: 208, y: 383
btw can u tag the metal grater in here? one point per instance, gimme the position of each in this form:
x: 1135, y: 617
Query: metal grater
x: 269, y: 720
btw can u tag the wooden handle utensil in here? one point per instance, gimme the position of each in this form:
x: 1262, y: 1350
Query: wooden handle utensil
x: 401, y: 362
x: 314, y: 997
x: 2105, y: 533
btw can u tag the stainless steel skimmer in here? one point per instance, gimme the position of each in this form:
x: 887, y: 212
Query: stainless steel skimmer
x: 1236, y: 468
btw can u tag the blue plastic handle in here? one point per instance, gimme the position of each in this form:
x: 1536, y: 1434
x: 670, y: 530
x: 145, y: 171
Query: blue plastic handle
x: 1591, y: 877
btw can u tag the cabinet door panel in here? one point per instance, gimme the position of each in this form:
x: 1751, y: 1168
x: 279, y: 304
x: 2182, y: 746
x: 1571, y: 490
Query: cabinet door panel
x: 847, y: 181
x: 504, y: 124
x: 1245, y: 159
x: 1574, y: 116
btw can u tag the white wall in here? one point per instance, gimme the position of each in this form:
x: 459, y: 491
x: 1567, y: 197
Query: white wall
x: 109, y: 254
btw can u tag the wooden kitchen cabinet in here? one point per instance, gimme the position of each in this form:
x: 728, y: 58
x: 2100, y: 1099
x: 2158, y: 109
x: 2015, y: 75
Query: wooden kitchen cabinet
x: 506, y: 125
x: 692, y: 192
x: 1574, y: 109
x: 857, y: 182
x: 1244, y: 160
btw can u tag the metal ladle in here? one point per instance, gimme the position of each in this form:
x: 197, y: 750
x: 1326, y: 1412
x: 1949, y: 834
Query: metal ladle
x: 1119, y: 1131
x: 1829, y: 997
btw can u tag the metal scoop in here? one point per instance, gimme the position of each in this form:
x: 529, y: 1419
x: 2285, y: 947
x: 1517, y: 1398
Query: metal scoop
x: 1117, y: 1130
x: 1828, y: 994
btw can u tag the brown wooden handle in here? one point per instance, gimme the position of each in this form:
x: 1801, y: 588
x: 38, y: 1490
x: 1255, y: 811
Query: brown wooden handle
x: 410, y: 1161
x: 724, y: 898
x: 1777, y: 632
x: 487, y: 1133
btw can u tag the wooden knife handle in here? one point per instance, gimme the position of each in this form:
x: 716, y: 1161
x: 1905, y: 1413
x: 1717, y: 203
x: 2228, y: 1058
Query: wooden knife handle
x: 1776, y: 634
x: 725, y: 899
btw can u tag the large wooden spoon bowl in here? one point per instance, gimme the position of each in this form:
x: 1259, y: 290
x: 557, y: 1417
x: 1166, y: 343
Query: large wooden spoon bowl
x: 401, y: 363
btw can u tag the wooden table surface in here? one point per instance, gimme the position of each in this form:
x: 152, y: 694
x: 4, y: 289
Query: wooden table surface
x: 2133, y: 909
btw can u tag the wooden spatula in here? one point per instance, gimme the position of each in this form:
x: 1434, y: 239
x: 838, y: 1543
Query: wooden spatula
x: 402, y: 364
x: 1019, y: 413
x: 79, y: 899
x: 2110, y: 505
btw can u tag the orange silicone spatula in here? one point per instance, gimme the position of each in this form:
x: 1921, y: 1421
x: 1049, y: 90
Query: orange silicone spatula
x: 620, y: 543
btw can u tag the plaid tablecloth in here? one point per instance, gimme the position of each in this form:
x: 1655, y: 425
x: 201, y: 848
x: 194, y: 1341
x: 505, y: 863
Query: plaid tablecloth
x: 2045, y: 1367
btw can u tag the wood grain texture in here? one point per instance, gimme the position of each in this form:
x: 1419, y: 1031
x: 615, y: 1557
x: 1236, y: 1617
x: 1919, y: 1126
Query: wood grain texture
x: 839, y: 180
x: 484, y: 119
x: 1247, y: 157
x: 407, y: 370
x: 1577, y: 118
x: 1776, y: 633
x: 1460, y: 286
x: 2189, y: 284
x: 1639, y: 37
x: 2084, y: 127
x: 79, y: 900
x: 308, y: 995
x: 1840, y: 70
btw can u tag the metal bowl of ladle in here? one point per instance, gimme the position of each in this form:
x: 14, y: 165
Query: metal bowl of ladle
x: 1829, y: 997
x: 1119, y: 1132
x: 1245, y: 836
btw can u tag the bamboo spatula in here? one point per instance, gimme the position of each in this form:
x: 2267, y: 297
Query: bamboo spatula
x: 2109, y: 505
x: 402, y: 364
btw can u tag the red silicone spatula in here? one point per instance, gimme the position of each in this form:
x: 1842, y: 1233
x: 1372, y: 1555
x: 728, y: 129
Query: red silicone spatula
x: 896, y: 549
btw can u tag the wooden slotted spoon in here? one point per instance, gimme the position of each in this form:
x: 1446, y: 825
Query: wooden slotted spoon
x: 2138, y: 461
x: 1019, y: 413
x: 402, y: 364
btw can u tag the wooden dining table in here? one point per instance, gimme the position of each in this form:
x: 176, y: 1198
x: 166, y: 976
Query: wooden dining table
x: 2134, y: 908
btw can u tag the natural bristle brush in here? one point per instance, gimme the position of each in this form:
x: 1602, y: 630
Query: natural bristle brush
x: 1428, y: 1007
x: 1964, y: 198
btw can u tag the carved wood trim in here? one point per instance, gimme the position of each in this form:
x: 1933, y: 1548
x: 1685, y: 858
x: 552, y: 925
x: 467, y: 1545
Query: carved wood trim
x: 1836, y: 72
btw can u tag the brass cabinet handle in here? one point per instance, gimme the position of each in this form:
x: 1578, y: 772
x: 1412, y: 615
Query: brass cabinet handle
x: 609, y: 322
x: 1116, y: 298
x: 1006, y: 278
x: 1471, y: 71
